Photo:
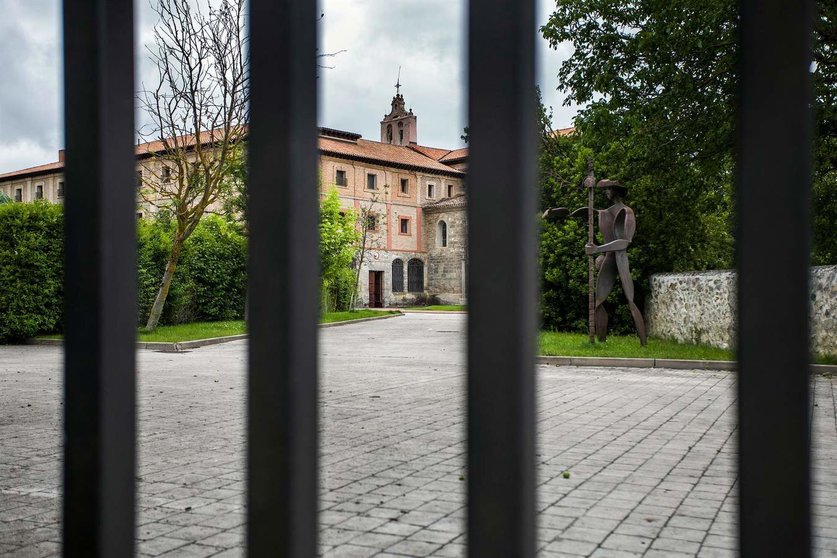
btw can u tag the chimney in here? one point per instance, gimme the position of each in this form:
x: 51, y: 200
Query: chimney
x: 60, y: 155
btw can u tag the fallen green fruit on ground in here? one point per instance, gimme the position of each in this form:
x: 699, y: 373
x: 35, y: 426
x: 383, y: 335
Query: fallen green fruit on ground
x: 565, y: 474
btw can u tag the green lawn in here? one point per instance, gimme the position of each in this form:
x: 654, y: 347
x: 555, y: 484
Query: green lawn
x: 441, y: 307
x: 553, y: 343
x: 208, y: 330
x: 354, y: 315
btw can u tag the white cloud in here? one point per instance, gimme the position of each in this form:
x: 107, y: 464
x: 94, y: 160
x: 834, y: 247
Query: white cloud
x: 425, y: 37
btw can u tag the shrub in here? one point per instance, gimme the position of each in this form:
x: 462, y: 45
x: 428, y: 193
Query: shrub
x: 154, y: 237
x: 31, y: 269
x: 210, y: 280
x: 214, y: 271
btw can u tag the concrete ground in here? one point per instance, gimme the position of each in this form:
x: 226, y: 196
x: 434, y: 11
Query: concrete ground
x: 651, y: 453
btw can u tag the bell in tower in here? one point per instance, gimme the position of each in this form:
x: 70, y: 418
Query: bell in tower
x: 399, y: 126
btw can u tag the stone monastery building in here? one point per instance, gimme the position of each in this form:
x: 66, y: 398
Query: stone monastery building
x: 414, y: 196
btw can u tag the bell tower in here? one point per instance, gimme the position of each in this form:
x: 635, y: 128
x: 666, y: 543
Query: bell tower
x: 399, y: 126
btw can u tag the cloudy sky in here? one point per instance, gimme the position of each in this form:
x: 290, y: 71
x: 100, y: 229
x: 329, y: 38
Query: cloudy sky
x: 424, y: 37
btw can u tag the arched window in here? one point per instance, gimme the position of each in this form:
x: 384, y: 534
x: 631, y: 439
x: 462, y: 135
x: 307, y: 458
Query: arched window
x: 441, y: 234
x: 397, y: 276
x: 415, y: 276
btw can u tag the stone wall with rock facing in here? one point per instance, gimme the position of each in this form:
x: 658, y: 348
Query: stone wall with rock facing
x: 699, y: 307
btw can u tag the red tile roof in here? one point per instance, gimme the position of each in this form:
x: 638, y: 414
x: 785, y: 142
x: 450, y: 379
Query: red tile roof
x: 331, y: 142
x: 456, y: 155
x: 564, y: 131
x: 385, y: 154
x: 35, y: 171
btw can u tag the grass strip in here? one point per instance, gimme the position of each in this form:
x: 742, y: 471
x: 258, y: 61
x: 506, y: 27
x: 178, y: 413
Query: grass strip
x: 441, y: 307
x: 554, y: 343
x: 208, y: 330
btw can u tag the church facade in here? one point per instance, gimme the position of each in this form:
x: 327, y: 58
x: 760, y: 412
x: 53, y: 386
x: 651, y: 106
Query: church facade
x: 411, y: 199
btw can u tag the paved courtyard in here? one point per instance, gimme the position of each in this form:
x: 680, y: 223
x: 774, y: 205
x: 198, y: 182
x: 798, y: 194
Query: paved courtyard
x: 650, y: 452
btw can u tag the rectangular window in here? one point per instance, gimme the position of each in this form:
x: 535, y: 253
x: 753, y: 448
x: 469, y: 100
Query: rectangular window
x: 60, y: 191
x: 405, y: 186
x: 404, y: 225
x: 166, y: 174
x: 371, y: 181
x: 431, y: 190
x: 18, y: 194
x: 450, y: 190
x: 139, y: 180
x: 39, y: 192
x: 371, y: 223
x: 340, y: 178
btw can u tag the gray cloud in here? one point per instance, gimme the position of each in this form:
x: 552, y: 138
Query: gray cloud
x: 425, y: 37
x: 30, y: 64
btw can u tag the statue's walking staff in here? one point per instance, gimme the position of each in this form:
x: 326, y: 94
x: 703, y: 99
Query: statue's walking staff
x: 588, y: 183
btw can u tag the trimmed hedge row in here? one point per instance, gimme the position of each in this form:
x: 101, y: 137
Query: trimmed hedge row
x: 31, y: 269
x: 209, y: 284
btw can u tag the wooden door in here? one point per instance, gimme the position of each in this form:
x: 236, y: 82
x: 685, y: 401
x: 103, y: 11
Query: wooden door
x: 376, y: 289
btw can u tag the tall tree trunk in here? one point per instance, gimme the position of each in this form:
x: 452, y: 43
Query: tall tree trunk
x: 354, y: 298
x: 165, y: 285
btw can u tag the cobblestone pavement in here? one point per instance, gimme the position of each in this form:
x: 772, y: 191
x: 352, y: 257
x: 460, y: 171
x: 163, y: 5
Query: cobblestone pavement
x: 650, y: 452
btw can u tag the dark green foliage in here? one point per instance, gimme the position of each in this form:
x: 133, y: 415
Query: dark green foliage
x: 154, y: 237
x: 824, y: 250
x: 215, y: 270
x: 210, y: 281
x: 680, y: 227
x: 659, y: 81
x: 208, y: 285
x: 31, y: 269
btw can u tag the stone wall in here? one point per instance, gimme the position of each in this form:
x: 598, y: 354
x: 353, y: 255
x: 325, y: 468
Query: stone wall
x: 446, y: 264
x: 699, y: 307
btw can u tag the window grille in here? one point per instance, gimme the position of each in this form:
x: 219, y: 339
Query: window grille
x: 397, y: 276
x: 415, y: 276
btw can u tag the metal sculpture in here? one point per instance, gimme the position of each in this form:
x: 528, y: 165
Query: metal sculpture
x: 617, y: 224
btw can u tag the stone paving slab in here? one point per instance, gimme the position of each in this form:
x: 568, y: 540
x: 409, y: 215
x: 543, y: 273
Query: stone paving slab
x: 650, y: 452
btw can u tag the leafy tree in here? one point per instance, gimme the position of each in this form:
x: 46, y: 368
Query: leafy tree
x: 338, y: 239
x: 370, y: 221
x: 198, y: 110
x: 659, y: 82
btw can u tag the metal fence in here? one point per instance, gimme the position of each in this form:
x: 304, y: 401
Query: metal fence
x: 774, y: 139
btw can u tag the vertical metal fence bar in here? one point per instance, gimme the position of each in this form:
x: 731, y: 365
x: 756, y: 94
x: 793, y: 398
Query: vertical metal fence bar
x: 502, y: 227
x: 774, y: 178
x: 100, y: 277
x: 283, y: 281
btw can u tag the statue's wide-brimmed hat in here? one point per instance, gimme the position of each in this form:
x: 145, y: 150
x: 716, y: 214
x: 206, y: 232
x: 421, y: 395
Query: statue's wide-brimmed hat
x: 607, y: 183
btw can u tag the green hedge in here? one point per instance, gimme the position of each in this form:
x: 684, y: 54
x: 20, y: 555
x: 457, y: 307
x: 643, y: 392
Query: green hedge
x: 31, y: 269
x: 211, y: 277
x: 209, y: 284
